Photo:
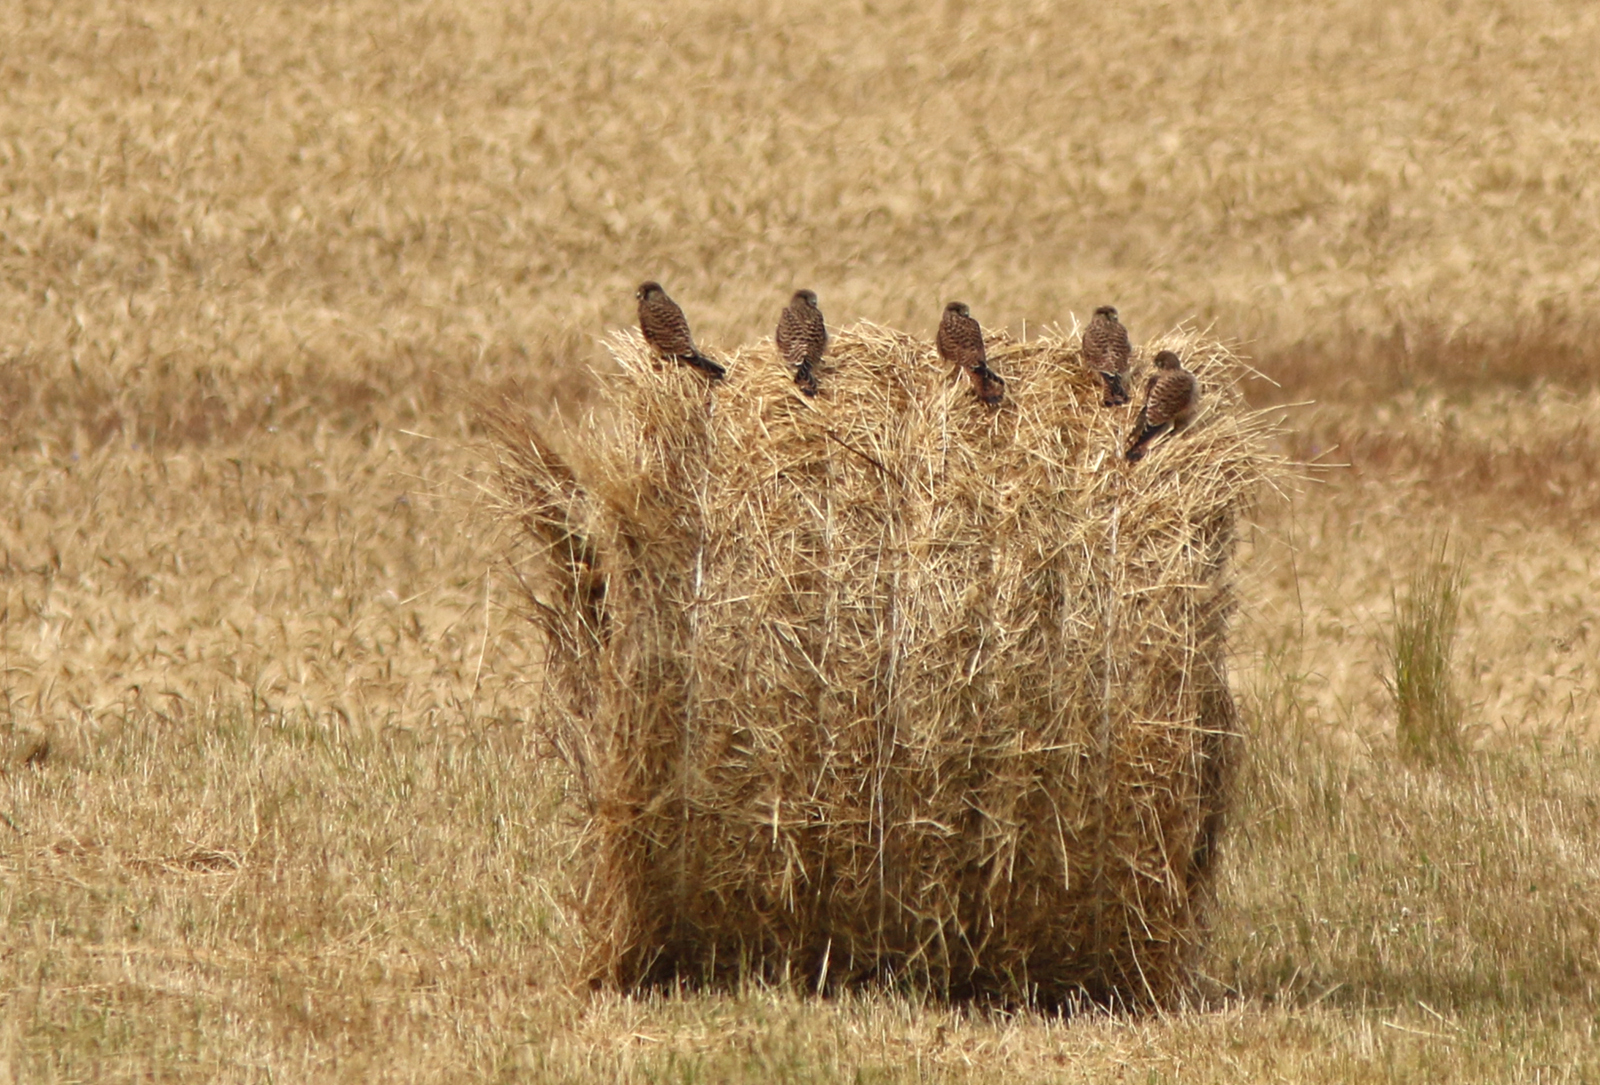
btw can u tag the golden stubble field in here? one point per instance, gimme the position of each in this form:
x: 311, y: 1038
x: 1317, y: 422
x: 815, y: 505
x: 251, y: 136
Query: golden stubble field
x: 268, y: 806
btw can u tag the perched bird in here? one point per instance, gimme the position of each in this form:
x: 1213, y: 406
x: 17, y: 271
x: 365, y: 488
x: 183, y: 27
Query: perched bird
x: 802, y: 337
x: 960, y: 342
x: 667, y: 331
x: 1106, y: 350
x: 1170, y: 399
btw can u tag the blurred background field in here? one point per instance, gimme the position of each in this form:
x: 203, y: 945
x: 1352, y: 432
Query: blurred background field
x: 269, y: 806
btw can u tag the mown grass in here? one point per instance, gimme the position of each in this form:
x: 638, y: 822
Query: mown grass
x: 269, y: 808
x: 1366, y: 877
x: 243, y: 895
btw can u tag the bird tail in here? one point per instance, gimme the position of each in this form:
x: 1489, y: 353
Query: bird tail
x: 805, y: 379
x: 989, y: 386
x: 1146, y: 434
x: 1116, y: 393
x: 703, y: 364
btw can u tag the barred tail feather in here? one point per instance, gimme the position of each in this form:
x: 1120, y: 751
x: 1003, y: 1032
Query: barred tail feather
x: 805, y: 379
x: 987, y: 385
x: 1147, y: 433
x: 703, y: 364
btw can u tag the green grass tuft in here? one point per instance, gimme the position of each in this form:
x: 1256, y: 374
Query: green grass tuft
x: 1421, y: 647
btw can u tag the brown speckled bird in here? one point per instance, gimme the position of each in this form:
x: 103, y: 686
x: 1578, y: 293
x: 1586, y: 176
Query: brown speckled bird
x: 1106, y: 350
x: 666, y: 329
x: 802, y: 338
x: 1170, y: 399
x: 960, y: 342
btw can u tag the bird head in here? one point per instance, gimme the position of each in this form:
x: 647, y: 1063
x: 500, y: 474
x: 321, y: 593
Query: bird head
x: 807, y: 296
x: 1168, y: 360
x: 646, y: 289
x: 959, y: 308
x: 1109, y: 311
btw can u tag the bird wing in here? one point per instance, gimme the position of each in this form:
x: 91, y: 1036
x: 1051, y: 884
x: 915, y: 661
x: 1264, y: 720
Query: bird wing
x: 1170, y: 396
x: 787, y: 336
x: 1094, y: 345
x: 1105, y: 346
x: 1121, y: 350
x: 961, y: 341
x: 666, y: 328
x: 802, y: 336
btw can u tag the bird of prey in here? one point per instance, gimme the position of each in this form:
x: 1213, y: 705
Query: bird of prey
x: 1170, y: 399
x: 960, y: 342
x: 667, y: 331
x: 802, y: 337
x: 1106, y: 350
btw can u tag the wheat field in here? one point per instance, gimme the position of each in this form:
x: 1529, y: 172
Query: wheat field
x: 269, y: 806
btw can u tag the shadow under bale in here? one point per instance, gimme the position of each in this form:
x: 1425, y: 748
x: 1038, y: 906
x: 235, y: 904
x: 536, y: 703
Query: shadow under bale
x: 886, y: 685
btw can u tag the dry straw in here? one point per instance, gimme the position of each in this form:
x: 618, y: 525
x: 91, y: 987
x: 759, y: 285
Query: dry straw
x: 886, y: 686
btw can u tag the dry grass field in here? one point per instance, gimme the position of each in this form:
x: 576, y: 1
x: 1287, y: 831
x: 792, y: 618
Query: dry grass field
x: 269, y: 807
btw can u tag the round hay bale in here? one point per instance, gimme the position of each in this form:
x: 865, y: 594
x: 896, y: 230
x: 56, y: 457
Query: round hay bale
x: 885, y: 685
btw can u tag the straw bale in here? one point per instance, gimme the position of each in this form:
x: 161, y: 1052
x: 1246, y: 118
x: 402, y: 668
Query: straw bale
x: 885, y: 685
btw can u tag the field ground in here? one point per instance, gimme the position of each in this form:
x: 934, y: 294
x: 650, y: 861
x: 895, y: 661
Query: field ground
x: 268, y: 805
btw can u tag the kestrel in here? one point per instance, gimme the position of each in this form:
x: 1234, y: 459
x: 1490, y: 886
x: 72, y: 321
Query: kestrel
x: 960, y: 342
x: 1170, y: 399
x: 802, y: 337
x: 1106, y: 350
x: 667, y: 331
